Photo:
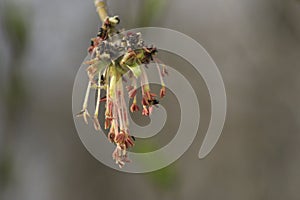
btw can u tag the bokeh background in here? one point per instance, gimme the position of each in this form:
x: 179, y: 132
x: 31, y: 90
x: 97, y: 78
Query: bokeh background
x: 256, y: 45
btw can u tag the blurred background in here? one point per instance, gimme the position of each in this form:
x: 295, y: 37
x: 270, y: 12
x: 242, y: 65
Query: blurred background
x: 255, y: 44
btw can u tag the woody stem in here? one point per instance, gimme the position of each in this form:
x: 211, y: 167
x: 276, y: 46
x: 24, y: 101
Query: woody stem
x: 101, y: 9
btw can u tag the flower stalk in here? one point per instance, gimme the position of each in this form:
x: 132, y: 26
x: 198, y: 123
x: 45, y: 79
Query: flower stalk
x: 101, y: 9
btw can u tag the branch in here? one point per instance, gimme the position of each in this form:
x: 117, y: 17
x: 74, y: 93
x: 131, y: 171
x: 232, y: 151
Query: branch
x: 101, y: 9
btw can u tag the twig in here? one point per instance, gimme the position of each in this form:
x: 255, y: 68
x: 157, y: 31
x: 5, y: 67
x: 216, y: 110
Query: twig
x: 101, y: 9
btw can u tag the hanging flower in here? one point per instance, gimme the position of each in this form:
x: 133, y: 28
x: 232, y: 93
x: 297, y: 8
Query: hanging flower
x: 109, y: 73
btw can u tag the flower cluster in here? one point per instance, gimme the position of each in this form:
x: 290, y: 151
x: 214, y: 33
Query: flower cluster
x: 117, y: 59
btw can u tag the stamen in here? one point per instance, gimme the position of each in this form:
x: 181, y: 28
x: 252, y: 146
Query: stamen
x: 111, y: 80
